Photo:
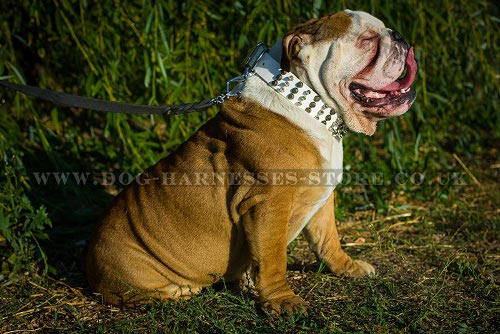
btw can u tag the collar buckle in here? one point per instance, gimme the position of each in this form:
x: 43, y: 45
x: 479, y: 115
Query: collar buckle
x: 235, y: 86
x: 255, y: 56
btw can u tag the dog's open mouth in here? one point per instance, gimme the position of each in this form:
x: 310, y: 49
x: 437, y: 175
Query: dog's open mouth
x: 391, y: 96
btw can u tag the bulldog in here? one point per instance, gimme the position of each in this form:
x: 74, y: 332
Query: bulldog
x: 228, y: 201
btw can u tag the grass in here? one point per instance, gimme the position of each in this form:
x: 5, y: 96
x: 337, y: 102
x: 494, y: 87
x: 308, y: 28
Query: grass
x: 433, y: 276
x: 433, y: 237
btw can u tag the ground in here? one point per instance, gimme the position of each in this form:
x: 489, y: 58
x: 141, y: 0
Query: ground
x: 437, y: 271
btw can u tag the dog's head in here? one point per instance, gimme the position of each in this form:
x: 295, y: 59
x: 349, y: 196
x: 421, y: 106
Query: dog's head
x: 356, y: 64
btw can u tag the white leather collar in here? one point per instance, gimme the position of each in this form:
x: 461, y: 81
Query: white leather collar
x: 266, y: 67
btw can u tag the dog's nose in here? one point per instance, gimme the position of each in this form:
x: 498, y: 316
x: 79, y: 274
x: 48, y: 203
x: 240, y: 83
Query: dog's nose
x: 396, y: 37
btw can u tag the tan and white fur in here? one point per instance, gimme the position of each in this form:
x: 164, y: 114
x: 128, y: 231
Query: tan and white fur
x: 168, y: 241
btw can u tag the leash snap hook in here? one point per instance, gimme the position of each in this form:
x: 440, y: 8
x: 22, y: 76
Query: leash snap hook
x: 235, y: 86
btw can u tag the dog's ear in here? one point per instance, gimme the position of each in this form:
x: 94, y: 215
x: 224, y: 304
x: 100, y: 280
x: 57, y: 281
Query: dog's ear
x: 315, y: 30
x: 292, y: 44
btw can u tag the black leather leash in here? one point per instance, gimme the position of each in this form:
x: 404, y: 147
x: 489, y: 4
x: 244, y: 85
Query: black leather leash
x: 110, y: 106
x: 234, y: 87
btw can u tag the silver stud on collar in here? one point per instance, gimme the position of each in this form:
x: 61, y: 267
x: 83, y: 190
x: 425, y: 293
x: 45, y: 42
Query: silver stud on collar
x: 314, y: 106
x: 295, y: 91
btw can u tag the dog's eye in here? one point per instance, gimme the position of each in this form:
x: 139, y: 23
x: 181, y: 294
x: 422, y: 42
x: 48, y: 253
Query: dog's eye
x: 368, y: 40
x: 369, y: 37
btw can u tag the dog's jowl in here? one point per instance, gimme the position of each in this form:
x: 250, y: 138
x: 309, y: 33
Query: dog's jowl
x: 228, y: 201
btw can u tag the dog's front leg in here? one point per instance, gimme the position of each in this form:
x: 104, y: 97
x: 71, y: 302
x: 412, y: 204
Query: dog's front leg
x: 265, y: 220
x: 321, y: 233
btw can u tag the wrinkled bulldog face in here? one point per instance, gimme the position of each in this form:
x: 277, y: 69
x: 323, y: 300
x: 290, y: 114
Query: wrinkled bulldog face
x: 357, y: 65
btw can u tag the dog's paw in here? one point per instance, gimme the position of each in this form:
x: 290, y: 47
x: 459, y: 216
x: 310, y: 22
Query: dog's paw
x: 359, y: 268
x: 289, y: 305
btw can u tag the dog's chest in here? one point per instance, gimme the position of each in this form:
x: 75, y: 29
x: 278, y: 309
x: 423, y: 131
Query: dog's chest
x: 318, y: 194
x: 323, y: 181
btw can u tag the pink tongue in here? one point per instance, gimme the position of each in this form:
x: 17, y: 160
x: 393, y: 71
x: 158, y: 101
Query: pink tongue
x: 407, y: 80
